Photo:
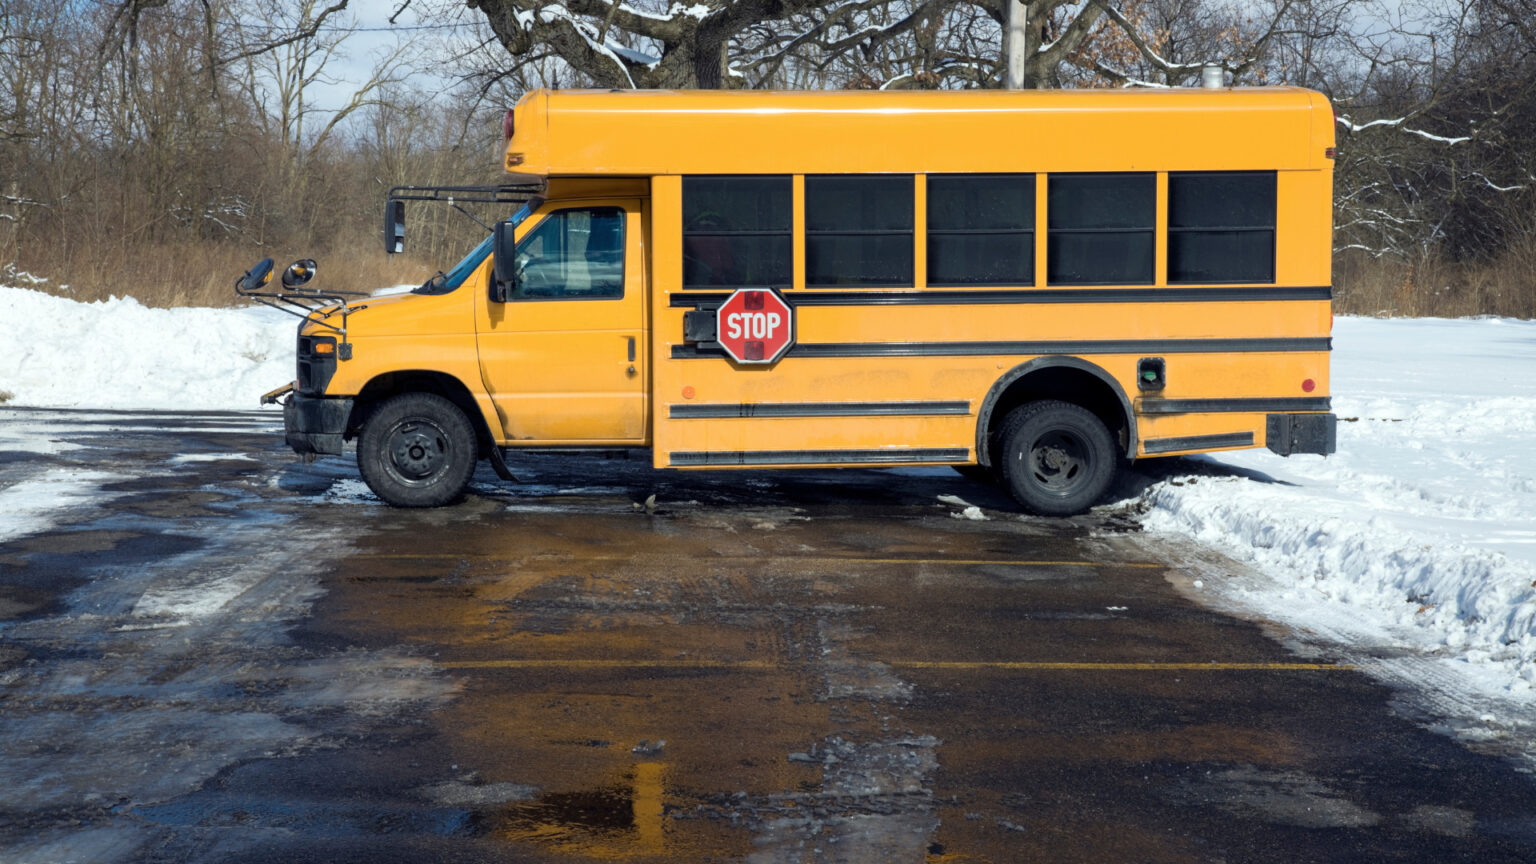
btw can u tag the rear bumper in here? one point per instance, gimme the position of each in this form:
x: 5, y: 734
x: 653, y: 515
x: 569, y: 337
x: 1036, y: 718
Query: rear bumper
x: 316, y: 425
x: 1301, y: 433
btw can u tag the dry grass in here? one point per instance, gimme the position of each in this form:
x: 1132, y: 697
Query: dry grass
x: 1434, y: 288
x: 189, y: 274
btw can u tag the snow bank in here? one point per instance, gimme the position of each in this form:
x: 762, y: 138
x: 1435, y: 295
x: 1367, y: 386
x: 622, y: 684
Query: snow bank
x: 60, y: 353
x: 1422, y: 527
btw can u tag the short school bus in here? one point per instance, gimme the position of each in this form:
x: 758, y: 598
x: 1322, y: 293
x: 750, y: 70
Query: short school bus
x: 1033, y: 286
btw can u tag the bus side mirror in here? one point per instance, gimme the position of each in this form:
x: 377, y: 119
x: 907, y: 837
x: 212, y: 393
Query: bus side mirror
x: 299, y: 273
x: 394, y: 226
x: 503, y: 262
x: 255, y: 278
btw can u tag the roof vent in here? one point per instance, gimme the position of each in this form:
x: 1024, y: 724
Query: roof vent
x: 1212, y: 77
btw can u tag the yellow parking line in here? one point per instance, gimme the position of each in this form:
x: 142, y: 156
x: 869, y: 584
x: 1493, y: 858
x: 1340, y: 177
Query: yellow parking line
x: 587, y: 663
x: 959, y: 562
x: 959, y: 665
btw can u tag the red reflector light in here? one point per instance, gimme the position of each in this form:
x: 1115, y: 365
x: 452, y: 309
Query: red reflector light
x: 506, y: 125
x: 1330, y: 152
x: 1308, y: 386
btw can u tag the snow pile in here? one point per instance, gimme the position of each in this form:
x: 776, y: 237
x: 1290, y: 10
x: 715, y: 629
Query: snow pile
x: 60, y: 353
x: 1422, y: 527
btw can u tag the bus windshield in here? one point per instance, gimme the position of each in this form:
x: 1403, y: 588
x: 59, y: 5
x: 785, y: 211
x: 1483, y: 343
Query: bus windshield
x: 442, y: 283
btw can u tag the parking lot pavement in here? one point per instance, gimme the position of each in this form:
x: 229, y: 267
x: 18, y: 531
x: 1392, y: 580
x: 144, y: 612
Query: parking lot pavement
x: 219, y: 654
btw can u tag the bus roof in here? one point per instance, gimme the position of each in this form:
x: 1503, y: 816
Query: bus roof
x: 650, y: 132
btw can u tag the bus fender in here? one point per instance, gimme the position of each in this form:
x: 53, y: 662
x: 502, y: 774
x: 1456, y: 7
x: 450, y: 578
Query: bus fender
x: 1019, y: 372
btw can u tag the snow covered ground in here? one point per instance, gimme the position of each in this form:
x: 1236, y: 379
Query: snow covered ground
x: 1420, y: 531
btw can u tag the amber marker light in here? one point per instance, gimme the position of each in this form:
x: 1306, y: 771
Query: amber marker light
x: 330, y: 348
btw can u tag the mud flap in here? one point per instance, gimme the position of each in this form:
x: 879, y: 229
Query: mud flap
x: 1301, y: 433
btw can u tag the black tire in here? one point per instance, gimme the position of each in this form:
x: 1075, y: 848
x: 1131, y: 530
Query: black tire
x: 1056, y: 458
x: 977, y: 474
x: 417, y: 450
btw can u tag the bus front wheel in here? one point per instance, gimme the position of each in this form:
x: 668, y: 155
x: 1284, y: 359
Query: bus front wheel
x: 417, y: 450
x: 1057, y: 458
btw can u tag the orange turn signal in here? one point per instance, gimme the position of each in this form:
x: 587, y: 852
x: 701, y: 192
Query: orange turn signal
x: 325, y: 347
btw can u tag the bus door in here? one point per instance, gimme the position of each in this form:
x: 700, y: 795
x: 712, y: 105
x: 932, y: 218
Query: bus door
x: 564, y: 357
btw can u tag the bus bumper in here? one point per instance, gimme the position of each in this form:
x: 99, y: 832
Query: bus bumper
x: 315, y: 425
x: 1301, y: 433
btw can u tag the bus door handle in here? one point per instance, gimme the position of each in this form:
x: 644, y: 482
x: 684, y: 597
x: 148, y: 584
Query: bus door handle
x: 631, y: 355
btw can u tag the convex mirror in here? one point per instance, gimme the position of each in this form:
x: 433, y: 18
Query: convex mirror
x: 255, y: 278
x: 299, y: 273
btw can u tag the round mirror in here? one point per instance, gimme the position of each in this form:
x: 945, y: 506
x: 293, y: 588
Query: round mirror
x: 299, y: 273
x: 256, y: 277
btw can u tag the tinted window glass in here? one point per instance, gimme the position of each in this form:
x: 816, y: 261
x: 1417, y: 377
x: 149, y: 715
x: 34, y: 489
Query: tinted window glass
x: 715, y: 204
x: 1108, y: 258
x: 981, y: 201
x: 881, y: 259
x: 1087, y: 201
x: 1221, y: 200
x: 981, y: 259
x: 1221, y: 256
x: 981, y: 229
x: 1101, y: 229
x: 736, y: 231
x: 871, y: 203
x: 573, y: 254
x: 1221, y: 227
x: 858, y: 230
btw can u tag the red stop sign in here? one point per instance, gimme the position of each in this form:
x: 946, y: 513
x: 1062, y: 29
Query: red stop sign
x: 755, y: 325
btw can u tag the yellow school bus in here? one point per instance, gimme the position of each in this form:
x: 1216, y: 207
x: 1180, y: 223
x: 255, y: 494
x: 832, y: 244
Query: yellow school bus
x: 1034, y: 287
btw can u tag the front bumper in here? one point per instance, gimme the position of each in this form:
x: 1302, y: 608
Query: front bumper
x: 1301, y: 433
x: 316, y: 424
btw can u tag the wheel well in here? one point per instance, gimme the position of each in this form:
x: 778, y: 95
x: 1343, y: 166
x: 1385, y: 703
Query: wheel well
x: 1066, y: 378
x: 419, y: 381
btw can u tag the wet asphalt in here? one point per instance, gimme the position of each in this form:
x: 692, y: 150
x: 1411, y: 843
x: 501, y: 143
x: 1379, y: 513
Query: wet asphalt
x: 225, y: 654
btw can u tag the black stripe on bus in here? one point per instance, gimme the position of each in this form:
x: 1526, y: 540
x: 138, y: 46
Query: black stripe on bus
x: 818, y: 457
x: 1197, y: 442
x: 816, y: 409
x: 818, y: 297
x: 996, y: 349
x: 1147, y: 405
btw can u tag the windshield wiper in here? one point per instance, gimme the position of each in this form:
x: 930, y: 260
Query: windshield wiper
x: 433, y: 285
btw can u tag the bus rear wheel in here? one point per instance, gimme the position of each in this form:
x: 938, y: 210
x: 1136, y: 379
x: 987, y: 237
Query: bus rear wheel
x: 1057, y: 458
x: 417, y: 450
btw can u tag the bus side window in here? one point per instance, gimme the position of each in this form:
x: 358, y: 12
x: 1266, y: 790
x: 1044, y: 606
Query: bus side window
x: 981, y: 229
x: 858, y: 230
x: 1221, y: 227
x: 737, y: 231
x: 1100, y: 229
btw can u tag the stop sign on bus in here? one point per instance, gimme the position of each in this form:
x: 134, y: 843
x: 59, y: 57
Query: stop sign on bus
x: 755, y: 325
